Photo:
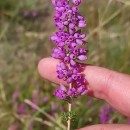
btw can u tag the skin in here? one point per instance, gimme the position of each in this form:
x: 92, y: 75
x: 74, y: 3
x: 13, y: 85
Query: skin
x: 105, y: 84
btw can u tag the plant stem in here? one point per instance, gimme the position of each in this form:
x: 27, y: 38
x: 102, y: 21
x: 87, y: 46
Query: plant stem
x: 69, y: 110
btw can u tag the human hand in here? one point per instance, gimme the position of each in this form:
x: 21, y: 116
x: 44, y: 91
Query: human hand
x: 111, y: 86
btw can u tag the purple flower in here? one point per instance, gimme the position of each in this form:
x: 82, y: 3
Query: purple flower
x: 30, y: 14
x: 128, y: 121
x: 81, y: 24
x: 106, y: 114
x: 72, y: 92
x: 60, y: 92
x: 35, y: 99
x: 68, y: 40
x: 82, y: 90
x: 31, y: 126
x: 21, y: 109
x: 26, y: 13
x: 34, y: 14
x: 76, y: 2
x: 45, y: 99
x: 82, y: 57
x: 89, y: 102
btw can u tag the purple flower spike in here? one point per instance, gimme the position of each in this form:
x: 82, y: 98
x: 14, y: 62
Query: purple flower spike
x: 21, y: 109
x: 68, y: 40
x: 106, y: 114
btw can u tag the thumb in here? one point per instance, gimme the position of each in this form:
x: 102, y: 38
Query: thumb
x: 107, y: 127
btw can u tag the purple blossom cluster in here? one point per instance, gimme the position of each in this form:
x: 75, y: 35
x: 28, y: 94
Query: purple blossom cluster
x: 69, y: 39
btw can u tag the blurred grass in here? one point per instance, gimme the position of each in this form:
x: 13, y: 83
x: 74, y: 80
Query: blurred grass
x: 25, y: 40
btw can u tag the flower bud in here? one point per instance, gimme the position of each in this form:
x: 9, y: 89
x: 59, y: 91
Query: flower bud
x: 82, y: 57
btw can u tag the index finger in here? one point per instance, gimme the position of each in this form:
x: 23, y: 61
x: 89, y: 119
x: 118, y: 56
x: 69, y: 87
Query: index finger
x: 105, y: 84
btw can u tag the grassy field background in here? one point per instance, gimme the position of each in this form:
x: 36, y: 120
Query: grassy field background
x: 26, y: 100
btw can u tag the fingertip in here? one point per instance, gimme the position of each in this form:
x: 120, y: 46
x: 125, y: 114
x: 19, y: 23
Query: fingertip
x: 40, y: 66
x: 47, y: 70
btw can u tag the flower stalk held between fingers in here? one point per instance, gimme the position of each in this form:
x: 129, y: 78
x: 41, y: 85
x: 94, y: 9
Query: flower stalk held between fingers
x: 69, y: 38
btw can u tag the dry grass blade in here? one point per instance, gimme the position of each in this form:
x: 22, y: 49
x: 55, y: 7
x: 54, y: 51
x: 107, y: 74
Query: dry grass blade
x: 44, y: 122
x: 106, y: 21
x: 126, y: 2
x: 4, y: 31
x: 44, y: 113
x: 107, y: 8
x: 2, y: 92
